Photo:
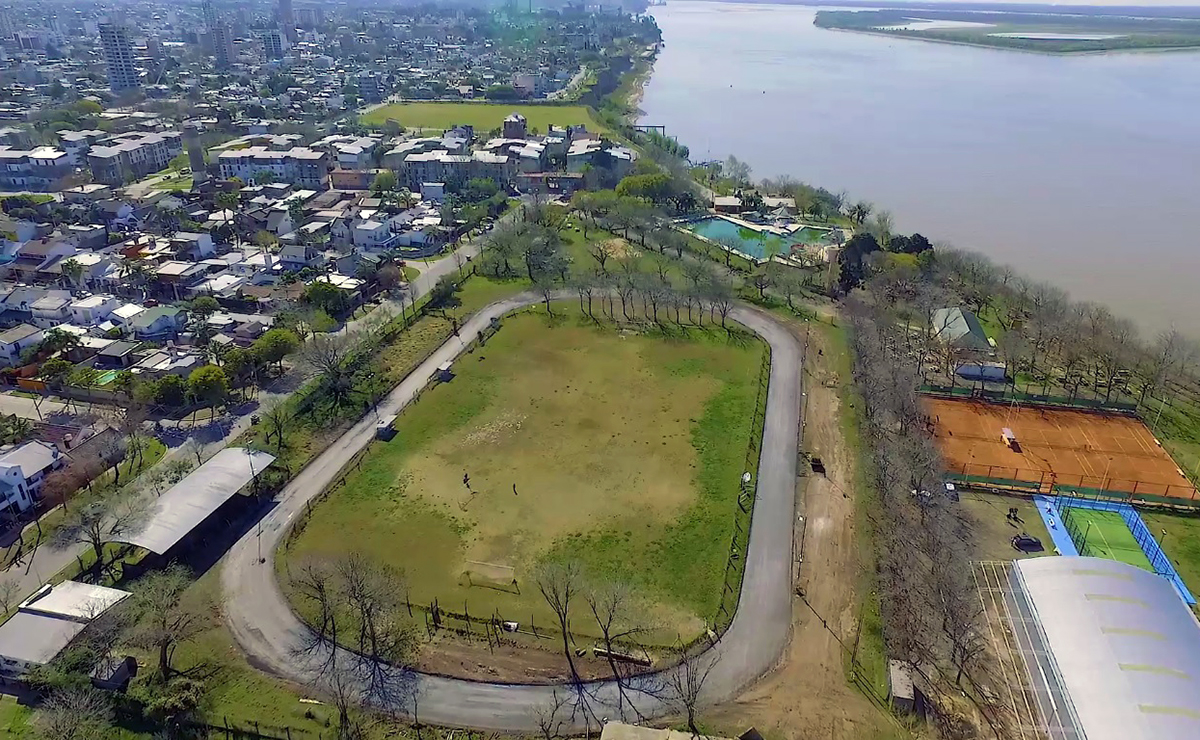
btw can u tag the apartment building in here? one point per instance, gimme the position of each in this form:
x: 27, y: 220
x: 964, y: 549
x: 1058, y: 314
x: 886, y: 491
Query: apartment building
x: 133, y: 156
x: 39, y: 169
x: 441, y: 166
x: 299, y: 166
x: 119, y: 58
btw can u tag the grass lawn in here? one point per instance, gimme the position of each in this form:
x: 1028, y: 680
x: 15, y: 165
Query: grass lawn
x: 640, y: 487
x: 1181, y: 543
x: 183, y: 182
x: 992, y: 533
x: 483, y: 116
x: 411, y: 273
x: 14, y: 719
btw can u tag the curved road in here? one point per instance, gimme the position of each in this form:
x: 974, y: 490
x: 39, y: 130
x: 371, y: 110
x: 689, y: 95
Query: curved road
x: 264, y: 625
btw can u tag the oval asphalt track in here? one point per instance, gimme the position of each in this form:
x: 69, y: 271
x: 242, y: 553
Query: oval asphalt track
x: 277, y: 642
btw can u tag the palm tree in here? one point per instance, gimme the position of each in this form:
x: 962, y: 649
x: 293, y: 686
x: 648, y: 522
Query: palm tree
x: 72, y: 270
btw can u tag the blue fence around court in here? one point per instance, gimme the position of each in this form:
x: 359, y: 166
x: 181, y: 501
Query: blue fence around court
x: 1051, y: 510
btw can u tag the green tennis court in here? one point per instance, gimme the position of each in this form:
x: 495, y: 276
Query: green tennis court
x: 1104, y: 534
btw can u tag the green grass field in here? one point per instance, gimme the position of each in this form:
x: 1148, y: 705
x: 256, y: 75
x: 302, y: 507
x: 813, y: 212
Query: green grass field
x: 483, y: 116
x: 1104, y: 534
x: 625, y: 452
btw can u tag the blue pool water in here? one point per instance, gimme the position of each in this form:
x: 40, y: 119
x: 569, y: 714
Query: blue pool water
x: 753, y: 243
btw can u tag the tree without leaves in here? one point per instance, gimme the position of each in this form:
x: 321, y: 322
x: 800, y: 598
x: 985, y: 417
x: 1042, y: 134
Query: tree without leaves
x: 559, y: 584
x: 684, y: 685
x: 326, y: 355
x: 80, y: 713
x: 621, y: 621
x: 116, y: 514
x: 279, y: 419
x: 164, y: 619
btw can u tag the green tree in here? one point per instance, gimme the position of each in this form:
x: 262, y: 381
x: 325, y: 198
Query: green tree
x: 209, y: 385
x: 204, y: 306
x: 264, y: 177
x: 171, y: 391
x: 655, y: 188
x: 326, y: 296
x: 275, y: 345
x: 384, y: 182
x: 55, y: 369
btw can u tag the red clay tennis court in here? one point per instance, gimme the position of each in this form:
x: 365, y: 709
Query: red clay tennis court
x: 1054, y: 447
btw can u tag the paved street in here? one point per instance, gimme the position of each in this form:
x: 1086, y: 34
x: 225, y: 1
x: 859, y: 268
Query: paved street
x: 264, y: 625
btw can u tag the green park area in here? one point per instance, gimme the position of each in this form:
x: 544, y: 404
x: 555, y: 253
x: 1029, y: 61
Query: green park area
x: 559, y: 439
x: 483, y: 116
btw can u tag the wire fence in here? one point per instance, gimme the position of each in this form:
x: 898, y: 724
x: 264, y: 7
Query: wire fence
x: 1033, y: 481
x: 503, y: 628
x: 1009, y: 394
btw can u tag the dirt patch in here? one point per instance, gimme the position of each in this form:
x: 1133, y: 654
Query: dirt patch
x: 521, y: 660
x: 809, y: 694
x: 619, y: 249
x: 991, y: 531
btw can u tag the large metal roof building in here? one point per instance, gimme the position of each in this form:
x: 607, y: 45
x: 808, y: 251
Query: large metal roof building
x: 1111, y: 649
x: 192, y: 500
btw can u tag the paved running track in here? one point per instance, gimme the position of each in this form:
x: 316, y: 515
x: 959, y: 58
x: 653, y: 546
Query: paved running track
x: 274, y: 639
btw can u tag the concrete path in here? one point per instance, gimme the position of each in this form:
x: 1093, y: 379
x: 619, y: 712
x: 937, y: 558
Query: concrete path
x: 264, y: 625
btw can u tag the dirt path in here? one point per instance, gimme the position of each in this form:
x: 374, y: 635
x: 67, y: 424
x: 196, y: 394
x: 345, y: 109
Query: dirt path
x: 808, y: 696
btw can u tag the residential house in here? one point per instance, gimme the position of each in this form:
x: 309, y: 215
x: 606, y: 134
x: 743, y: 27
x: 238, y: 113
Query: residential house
x: 177, y: 277
x: 295, y: 257
x: 159, y: 323
x: 23, y: 470
x: 372, y: 235
x: 52, y: 309
x: 192, y: 246
x: 117, y: 356
x: 169, y: 361
x: 93, y: 310
x: 14, y: 341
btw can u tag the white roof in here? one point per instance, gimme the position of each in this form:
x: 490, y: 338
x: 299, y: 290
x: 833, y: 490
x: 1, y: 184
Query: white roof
x: 34, y: 638
x: 128, y: 311
x: 31, y: 457
x: 1124, y: 646
x: 190, y: 501
x: 73, y: 600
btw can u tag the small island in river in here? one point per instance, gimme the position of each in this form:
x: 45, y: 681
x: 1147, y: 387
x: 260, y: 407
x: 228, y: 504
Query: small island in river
x: 1083, y: 30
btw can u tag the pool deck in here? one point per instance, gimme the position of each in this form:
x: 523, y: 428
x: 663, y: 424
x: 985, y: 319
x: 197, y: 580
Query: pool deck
x: 681, y: 225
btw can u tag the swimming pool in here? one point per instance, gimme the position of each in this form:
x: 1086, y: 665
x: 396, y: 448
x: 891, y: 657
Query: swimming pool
x: 106, y: 377
x: 752, y: 242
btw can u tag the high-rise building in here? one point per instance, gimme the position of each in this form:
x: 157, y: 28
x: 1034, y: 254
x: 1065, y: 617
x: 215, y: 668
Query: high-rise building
x: 118, y: 57
x: 210, y: 14
x: 195, y: 152
x: 287, y: 20
x: 222, y: 41
x: 273, y: 44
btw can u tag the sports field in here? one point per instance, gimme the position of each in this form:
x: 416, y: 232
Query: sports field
x: 572, y: 441
x: 1104, y: 534
x: 1067, y: 447
x: 483, y: 116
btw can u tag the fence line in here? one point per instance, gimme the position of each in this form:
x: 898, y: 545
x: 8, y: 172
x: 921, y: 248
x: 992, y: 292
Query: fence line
x: 1033, y: 399
x: 1032, y: 481
x: 437, y: 616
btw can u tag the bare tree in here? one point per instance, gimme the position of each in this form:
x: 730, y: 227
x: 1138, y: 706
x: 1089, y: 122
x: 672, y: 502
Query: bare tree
x: 165, y: 619
x: 684, y: 685
x: 279, y: 418
x: 621, y: 621
x: 116, y: 514
x: 720, y: 296
x: 10, y: 591
x: 559, y: 584
x: 194, y: 449
x: 326, y: 355
x: 548, y: 717
x: 79, y: 713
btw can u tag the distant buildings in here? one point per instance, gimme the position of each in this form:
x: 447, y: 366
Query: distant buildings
x: 133, y: 156
x: 119, y: 58
x: 222, y: 40
x: 299, y: 166
x: 287, y: 20
x: 273, y: 44
x: 515, y: 126
x: 32, y: 169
